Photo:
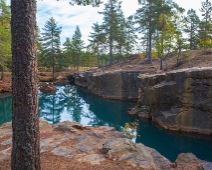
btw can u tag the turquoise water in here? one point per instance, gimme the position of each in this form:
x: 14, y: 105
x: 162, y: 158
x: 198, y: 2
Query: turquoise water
x: 76, y: 104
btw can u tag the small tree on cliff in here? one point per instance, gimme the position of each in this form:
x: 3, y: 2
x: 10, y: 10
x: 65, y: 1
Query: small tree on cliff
x: 191, y: 27
x: 205, y: 25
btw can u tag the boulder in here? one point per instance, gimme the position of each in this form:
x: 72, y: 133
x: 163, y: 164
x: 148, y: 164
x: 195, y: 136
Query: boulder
x: 122, y: 149
x: 45, y: 78
x: 6, y: 90
x: 48, y: 88
x: 68, y: 126
x: 190, y: 161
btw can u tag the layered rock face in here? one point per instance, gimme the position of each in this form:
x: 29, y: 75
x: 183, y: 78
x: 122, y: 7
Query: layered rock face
x: 112, y: 85
x: 178, y: 100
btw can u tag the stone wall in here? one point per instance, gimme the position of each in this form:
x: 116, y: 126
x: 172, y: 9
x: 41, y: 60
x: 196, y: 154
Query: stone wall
x: 178, y: 100
x: 111, y: 85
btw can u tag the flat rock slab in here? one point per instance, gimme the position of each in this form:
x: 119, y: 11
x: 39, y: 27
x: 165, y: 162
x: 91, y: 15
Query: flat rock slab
x: 86, y: 145
x: 7, y: 142
x: 207, y: 166
x: 4, y: 154
x: 63, y: 151
x: 93, y: 159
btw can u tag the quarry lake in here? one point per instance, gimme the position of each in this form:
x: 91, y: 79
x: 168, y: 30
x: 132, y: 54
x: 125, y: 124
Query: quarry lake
x: 79, y: 105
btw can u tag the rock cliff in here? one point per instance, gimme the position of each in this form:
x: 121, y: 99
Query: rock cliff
x: 178, y: 100
x: 112, y: 85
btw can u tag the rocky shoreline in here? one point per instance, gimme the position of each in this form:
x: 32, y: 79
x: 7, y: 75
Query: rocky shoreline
x: 179, y: 100
x: 45, y: 86
x: 98, y: 146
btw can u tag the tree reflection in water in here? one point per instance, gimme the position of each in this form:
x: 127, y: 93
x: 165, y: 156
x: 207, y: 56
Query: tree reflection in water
x: 5, y: 109
x: 75, y: 104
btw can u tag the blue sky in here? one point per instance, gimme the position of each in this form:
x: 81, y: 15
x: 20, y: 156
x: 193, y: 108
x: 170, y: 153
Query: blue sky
x: 69, y: 16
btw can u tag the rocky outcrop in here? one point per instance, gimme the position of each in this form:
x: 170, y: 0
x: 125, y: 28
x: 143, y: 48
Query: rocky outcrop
x: 178, y: 100
x: 112, y: 85
x: 73, y: 142
x: 47, y: 88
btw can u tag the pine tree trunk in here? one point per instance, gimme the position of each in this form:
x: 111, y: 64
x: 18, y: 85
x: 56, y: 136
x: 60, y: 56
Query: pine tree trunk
x: 77, y: 62
x: 161, y: 63
x: 150, y: 35
x: 2, y: 73
x: 165, y: 60
x: 53, y: 68
x: 98, y: 55
x: 178, y: 55
x: 25, y: 120
x: 150, y: 48
x: 111, y: 49
x: 191, y: 39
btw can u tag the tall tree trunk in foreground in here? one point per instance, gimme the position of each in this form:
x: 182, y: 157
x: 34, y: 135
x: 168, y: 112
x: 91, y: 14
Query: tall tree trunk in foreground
x: 25, y: 121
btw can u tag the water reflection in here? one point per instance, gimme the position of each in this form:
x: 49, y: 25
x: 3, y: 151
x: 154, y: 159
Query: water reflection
x: 76, y: 104
x: 5, y: 109
x: 170, y: 144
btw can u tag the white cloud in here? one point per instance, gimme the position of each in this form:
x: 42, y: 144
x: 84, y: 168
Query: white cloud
x: 69, y: 16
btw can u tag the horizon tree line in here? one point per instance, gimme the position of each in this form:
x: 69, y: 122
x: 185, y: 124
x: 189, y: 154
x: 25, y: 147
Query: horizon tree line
x: 159, y: 26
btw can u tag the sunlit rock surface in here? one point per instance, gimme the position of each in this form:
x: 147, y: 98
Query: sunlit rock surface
x: 95, y: 145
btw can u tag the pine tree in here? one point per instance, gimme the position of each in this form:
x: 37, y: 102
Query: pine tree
x: 168, y: 27
x: 97, y: 41
x: 77, y: 46
x: 5, y: 38
x: 128, y: 37
x: 40, y: 51
x: 205, y: 25
x: 180, y: 44
x: 25, y: 121
x: 192, y: 22
x: 146, y: 17
x: 68, y: 51
x: 164, y: 40
x: 86, y: 2
x: 51, y: 44
x: 111, y: 24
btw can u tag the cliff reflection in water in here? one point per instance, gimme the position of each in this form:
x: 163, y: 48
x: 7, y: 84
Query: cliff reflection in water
x: 75, y: 104
x: 79, y: 105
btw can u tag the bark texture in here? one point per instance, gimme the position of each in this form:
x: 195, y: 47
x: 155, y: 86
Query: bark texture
x: 25, y: 122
